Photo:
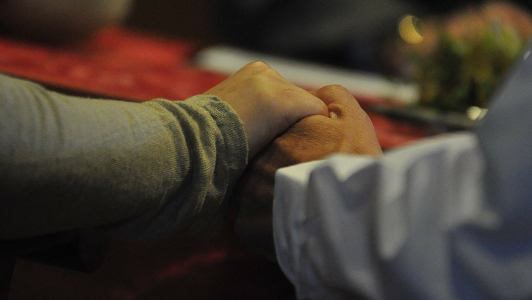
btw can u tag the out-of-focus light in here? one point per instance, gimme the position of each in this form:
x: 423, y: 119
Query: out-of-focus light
x: 408, y: 29
x: 476, y: 113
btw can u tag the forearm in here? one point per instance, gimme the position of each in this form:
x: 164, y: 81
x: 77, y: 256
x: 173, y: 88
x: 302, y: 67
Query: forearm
x: 69, y: 163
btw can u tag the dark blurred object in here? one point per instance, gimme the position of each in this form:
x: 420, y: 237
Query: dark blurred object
x: 183, y: 19
x: 7, y: 265
x: 79, y: 251
x: 60, y: 20
x: 76, y: 250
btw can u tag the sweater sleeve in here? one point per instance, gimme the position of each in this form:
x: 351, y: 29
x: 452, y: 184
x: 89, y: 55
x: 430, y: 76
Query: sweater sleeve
x: 138, y: 170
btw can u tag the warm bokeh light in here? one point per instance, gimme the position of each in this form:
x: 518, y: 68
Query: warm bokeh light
x: 409, y: 29
x: 476, y: 113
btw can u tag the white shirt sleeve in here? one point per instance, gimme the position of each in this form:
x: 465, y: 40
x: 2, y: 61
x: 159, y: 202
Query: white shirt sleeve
x: 414, y: 224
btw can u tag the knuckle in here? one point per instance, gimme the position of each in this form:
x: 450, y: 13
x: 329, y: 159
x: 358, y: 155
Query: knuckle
x: 259, y: 65
x: 259, y: 84
x: 335, y: 88
x: 258, y: 80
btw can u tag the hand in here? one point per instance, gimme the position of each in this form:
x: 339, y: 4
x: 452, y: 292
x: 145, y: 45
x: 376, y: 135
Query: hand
x: 347, y: 130
x: 266, y: 103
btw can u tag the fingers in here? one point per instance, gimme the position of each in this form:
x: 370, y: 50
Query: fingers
x: 340, y: 101
x: 299, y: 102
x: 346, y: 112
x: 266, y: 103
x: 335, y: 93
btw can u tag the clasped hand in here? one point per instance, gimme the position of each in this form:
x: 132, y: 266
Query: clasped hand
x: 327, y: 121
x: 266, y: 103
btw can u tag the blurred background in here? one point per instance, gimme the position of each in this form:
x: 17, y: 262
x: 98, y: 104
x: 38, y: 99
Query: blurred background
x: 421, y: 42
x: 337, y: 31
x: 424, y: 42
x: 418, y: 67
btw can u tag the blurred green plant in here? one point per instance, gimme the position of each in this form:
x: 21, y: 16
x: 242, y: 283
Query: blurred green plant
x: 463, y: 56
x: 464, y: 71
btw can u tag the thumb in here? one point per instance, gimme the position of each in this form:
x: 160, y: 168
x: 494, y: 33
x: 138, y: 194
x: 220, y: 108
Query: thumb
x: 340, y: 102
x: 345, y: 111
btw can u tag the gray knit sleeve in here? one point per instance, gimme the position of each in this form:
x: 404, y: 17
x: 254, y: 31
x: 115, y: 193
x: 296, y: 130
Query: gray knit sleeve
x: 138, y: 170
